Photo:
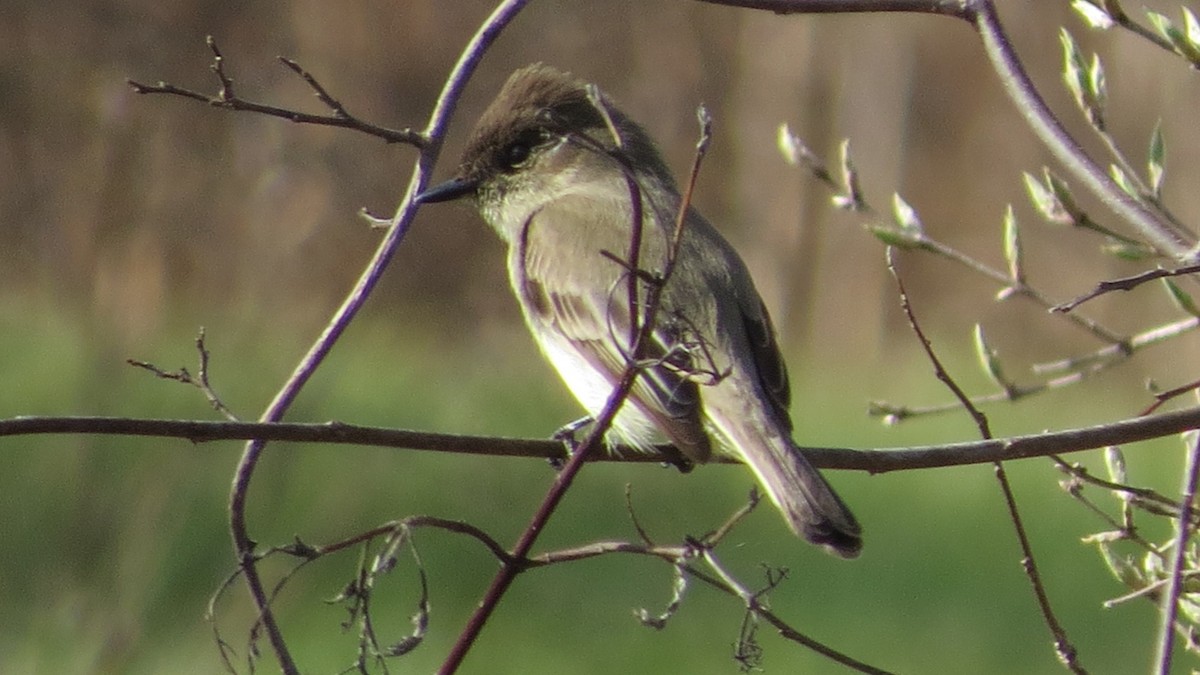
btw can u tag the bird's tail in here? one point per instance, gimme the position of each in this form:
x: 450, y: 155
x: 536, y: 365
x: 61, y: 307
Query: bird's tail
x: 808, y: 503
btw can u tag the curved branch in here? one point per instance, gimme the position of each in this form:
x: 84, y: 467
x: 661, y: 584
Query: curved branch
x: 981, y: 14
x: 439, y: 120
x: 1031, y: 105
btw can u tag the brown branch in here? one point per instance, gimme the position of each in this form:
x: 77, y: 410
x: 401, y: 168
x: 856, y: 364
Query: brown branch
x: 1125, y: 284
x: 1066, y: 651
x: 948, y: 7
x: 199, y: 380
x: 681, y: 555
x: 882, y: 460
x: 227, y: 99
x: 1170, y: 599
x: 642, y: 340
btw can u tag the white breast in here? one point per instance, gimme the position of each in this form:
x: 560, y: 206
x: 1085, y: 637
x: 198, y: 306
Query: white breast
x: 593, y: 389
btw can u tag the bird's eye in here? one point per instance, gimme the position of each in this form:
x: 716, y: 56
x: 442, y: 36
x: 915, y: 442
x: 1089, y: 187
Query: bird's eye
x: 516, y: 153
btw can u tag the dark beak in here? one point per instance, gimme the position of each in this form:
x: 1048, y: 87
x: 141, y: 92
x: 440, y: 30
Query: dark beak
x: 450, y: 190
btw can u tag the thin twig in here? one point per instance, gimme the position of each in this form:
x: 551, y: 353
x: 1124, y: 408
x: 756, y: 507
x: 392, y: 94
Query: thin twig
x: 1170, y: 600
x: 1163, y: 397
x: 200, y: 380
x: 439, y: 120
x: 1124, y: 284
x: 1140, y: 494
x: 1066, y: 651
x: 1112, y: 354
x: 1076, y: 369
x: 786, y: 630
x: 227, y: 99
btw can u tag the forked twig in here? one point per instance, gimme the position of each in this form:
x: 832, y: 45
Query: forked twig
x: 199, y: 380
x: 226, y: 98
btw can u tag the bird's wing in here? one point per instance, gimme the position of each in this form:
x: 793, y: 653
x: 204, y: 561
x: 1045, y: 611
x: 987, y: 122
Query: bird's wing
x: 572, y: 288
x: 767, y: 359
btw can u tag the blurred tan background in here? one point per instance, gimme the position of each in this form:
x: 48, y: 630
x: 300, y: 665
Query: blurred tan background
x: 128, y: 207
x: 126, y: 222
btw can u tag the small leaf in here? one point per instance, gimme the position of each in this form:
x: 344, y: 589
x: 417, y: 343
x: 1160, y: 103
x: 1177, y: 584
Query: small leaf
x: 1073, y: 69
x: 1012, y: 247
x: 1127, y: 250
x: 1114, y: 459
x: 894, y: 236
x: 905, y: 215
x: 1093, y: 15
x: 1122, y: 181
x: 1181, y: 298
x: 1040, y: 197
x: 1164, y: 26
x: 1082, y: 80
x: 1053, y: 199
x: 796, y: 153
x: 1152, y: 567
x: 1122, y: 568
x: 1180, y: 41
x: 1191, y: 29
x: 1155, y: 168
x: 852, y: 198
x: 1070, y: 213
x: 788, y: 144
x: 990, y: 360
x: 1098, y: 84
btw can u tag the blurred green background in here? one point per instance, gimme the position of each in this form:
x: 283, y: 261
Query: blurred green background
x: 127, y: 222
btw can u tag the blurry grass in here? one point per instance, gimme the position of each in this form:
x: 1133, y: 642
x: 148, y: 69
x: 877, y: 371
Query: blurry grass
x: 112, y: 546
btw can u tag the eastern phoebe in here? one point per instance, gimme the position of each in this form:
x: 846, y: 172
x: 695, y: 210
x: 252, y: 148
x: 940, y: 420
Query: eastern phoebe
x: 560, y: 176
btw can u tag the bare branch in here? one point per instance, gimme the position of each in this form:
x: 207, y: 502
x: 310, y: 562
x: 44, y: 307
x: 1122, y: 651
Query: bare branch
x: 227, y: 99
x: 200, y: 380
x: 1170, y: 600
x: 1125, y: 284
x: 881, y: 460
x: 641, y: 339
x: 1066, y: 651
x: 949, y: 7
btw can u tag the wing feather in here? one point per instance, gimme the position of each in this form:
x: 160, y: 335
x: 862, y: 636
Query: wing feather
x: 571, y: 290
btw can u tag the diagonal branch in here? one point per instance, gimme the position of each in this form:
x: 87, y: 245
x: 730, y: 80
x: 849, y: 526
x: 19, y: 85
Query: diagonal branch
x: 1065, y: 650
x: 642, y: 340
x: 244, y: 545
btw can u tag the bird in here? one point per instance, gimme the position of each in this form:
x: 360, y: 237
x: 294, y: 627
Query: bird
x: 571, y: 184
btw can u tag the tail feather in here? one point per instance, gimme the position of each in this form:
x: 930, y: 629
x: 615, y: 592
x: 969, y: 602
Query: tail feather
x: 808, y: 503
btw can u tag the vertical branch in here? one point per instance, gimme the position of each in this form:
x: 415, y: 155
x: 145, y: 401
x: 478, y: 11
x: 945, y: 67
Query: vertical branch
x: 1062, y: 644
x: 439, y: 121
x: 1170, y: 599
